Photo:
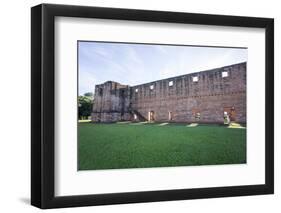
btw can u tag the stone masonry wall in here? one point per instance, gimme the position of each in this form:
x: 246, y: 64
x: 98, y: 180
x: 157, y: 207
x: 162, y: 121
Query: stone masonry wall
x: 196, y: 97
x: 111, y: 102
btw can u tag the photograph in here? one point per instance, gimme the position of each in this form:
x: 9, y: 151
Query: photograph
x: 144, y: 105
x: 138, y: 105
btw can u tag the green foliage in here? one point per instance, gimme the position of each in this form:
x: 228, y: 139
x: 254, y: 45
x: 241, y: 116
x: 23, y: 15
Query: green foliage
x: 115, y: 146
x: 84, y: 107
x: 89, y: 94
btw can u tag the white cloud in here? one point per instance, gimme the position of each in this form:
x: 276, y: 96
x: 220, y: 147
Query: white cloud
x: 135, y: 64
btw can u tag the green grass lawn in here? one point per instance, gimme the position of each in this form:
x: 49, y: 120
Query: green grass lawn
x: 114, y: 146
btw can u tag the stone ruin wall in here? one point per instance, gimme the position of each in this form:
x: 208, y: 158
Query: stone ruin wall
x: 210, y: 96
x: 111, y: 102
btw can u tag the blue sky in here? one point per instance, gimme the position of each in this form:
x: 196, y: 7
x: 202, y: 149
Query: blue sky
x: 135, y: 64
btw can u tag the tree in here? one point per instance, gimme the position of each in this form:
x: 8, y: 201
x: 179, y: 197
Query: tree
x: 84, y: 106
x: 89, y: 94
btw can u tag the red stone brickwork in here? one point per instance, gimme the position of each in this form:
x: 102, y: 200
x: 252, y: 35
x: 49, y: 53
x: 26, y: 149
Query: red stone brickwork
x: 197, y: 97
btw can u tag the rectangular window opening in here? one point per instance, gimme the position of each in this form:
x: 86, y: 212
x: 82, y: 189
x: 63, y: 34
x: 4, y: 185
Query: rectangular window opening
x: 195, y: 79
x: 224, y: 74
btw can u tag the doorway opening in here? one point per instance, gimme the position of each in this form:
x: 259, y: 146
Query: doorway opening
x: 151, y: 116
x: 170, y: 116
x: 196, y: 114
x: 229, y: 114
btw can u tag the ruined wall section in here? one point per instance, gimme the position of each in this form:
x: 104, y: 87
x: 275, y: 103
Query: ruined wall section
x: 111, y: 102
x: 180, y: 98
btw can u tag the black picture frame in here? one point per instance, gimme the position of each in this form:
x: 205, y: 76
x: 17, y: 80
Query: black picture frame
x: 43, y: 102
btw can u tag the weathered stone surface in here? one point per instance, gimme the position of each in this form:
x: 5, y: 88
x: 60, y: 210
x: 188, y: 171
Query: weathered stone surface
x: 176, y: 99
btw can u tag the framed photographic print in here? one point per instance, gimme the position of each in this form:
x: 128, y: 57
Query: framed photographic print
x: 141, y: 106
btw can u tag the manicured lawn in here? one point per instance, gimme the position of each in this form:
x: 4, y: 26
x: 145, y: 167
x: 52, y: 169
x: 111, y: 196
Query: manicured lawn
x: 113, y: 146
